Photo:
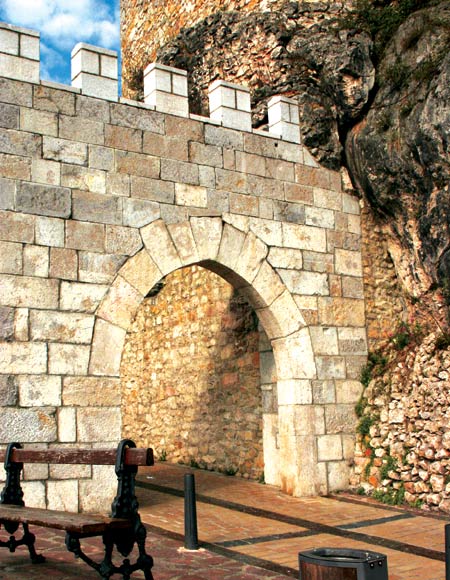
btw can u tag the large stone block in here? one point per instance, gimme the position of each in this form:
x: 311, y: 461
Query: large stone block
x: 152, y: 189
x: 329, y: 447
x: 294, y: 356
x: 163, y: 146
x: 46, y: 325
x: 68, y: 359
x: 348, y: 391
x: 294, y: 392
x: 96, y: 494
x: 85, y: 236
x: 179, y: 171
x: 80, y: 297
x: 9, y: 116
x: 268, y: 231
x: 120, y: 304
x: 10, y: 258
x: 20, y: 143
x: 50, y: 99
x: 67, y: 425
x: 50, y: 232
x: 28, y: 425
x: 127, y: 116
x: 183, y: 238
x: 101, y: 157
x: 14, y: 167
x: 35, y: 261
x: 82, y: 129
x: 244, y: 204
x: 348, y: 262
x: 79, y: 177
x: 324, y: 340
x: 191, y: 195
x: 96, y: 207
x: 282, y: 318
x: 16, y: 93
x: 16, y: 227
x: 123, y: 138
x: 45, y: 200
x: 141, y: 272
x: 34, y: 494
x: 266, y: 287
x: 330, y: 367
x: 140, y: 212
x: 63, y: 263
x: 6, y: 323
x: 8, y: 391
x: 45, y: 171
x: 91, y: 391
x: 340, y: 418
x: 106, y: 349
x: 96, y: 424
x: 99, y: 268
x: 253, y: 253
x: 28, y: 292
x: 42, y: 122
x: 7, y: 193
x: 305, y: 283
x: 207, y: 234
x: 62, y: 495
x: 122, y: 240
x: 160, y: 246
x: 138, y: 164
x: 65, y: 150
x: 304, y: 237
x: 352, y: 341
x: 341, y: 312
x: 39, y: 391
x: 338, y: 475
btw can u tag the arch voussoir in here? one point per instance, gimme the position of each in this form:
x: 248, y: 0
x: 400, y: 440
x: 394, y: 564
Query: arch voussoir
x: 160, y: 246
x: 183, y: 238
x: 207, y: 233
x: 141, y: 272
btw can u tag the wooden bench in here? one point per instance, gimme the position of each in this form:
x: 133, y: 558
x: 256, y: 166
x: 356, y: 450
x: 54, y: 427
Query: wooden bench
x: 121, y: 530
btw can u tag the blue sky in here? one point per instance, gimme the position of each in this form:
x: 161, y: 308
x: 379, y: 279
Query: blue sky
x: 62, y: 24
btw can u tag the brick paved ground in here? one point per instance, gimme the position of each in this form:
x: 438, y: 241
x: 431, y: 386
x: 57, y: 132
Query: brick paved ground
x: 249, y: 531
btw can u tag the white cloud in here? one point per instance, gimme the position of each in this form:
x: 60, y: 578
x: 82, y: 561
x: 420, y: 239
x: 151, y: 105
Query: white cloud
x: 64, y: 23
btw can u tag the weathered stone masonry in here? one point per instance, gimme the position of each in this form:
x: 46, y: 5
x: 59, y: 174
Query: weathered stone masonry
x: 101, y: 199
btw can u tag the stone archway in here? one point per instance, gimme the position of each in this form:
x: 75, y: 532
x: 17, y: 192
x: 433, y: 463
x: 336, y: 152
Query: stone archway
x: 240, y: 258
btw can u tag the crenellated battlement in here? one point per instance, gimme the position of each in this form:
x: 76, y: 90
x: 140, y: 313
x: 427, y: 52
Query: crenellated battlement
x: 95, y: 74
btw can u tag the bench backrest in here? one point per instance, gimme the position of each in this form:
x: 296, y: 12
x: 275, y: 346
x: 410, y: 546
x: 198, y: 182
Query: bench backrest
x: 133, y: 456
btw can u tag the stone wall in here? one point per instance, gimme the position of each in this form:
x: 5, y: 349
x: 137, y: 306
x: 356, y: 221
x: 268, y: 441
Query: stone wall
x: 403, y: 453
x: 102, y: 198
x: 191, y: 386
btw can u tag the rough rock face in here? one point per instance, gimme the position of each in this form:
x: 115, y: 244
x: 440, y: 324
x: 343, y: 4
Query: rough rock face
x: 298, y: 50
x: 398, y: 155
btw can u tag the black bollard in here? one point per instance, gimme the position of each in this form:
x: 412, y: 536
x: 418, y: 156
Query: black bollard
x: 447, y: 552
x: 190, y: 514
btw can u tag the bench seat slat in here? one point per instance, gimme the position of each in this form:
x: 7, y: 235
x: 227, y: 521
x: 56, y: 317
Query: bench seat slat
x: 70, y: 522
x: 133, y: 456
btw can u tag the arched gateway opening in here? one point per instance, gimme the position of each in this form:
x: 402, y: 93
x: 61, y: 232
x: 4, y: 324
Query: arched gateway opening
x: 191, y: 378
x: 240, y: 257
